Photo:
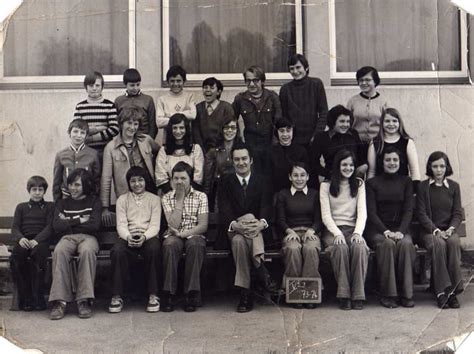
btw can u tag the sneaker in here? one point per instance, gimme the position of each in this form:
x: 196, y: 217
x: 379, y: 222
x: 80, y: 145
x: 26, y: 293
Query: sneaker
x: 453, y: 302
x: 153, y: 304
x: 116, y: 304
x: 84, y: 309
x: 58, y: 311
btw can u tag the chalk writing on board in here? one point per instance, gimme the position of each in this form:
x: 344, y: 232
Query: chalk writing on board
x: 303, y: 290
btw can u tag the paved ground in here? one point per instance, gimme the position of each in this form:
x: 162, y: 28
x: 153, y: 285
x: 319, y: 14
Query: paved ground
x: 217, y: 328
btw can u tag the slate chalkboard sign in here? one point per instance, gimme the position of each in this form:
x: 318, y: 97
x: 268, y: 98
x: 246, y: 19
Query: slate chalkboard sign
x: 303, y: 290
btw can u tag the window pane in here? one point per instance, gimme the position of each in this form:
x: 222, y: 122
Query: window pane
x: 72, y: 37
x: 397, y: 35
x: 225, y: 36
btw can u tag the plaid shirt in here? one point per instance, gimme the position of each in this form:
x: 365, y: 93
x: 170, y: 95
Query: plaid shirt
x: 195, y: 203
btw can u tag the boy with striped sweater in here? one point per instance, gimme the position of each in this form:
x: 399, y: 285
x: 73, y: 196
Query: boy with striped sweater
x: 99, y: 113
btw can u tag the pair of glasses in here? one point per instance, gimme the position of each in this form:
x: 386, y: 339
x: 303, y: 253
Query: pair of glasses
x: 229, y: 128
x: 254, y: 81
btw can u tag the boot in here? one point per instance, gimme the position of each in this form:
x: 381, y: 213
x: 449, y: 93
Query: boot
x: 266, y: 280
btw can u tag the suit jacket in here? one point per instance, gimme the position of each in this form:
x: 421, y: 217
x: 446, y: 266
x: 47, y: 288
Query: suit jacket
x: 233, y: 202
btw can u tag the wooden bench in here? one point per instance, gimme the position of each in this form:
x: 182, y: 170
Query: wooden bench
x: 108, y: 236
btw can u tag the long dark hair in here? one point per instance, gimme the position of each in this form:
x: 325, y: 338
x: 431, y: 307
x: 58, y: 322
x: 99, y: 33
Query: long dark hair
x: 171, y: 145
x: 336, y: 176
x: 220, y: 136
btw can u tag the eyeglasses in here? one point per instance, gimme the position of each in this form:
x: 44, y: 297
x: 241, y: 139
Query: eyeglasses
x: 230, y: 128
x: 254, y: 81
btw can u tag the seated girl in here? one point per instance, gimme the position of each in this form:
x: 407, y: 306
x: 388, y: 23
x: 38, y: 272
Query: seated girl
x: 390, y: 210
x: 343, y: 211
x: 440, y: 214
x: 299, y: 221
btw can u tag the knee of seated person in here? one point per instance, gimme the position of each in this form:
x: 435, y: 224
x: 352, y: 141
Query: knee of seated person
x: 171, y: 241
x: 341, y: 247
x: 87, y: 252
x: 453, y: 240
x: 406, y: 242
x: 238, y: 239
x: 293, y: 245
x: 358, y: 247
x: 388, y: 242
x: 153, y: 243
x: 194, y: 242
x: 19, y: 251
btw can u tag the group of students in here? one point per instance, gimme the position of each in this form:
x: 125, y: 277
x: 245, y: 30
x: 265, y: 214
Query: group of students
x: 254, y: 161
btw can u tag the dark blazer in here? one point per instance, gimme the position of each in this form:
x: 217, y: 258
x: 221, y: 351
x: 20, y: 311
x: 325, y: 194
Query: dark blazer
x: 423, y: 205
x: 233, y: 202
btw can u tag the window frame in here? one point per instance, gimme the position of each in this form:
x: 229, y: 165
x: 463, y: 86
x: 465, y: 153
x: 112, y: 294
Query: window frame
x: 69, y: 81
x: 403, y: 77
x: 196, y: 79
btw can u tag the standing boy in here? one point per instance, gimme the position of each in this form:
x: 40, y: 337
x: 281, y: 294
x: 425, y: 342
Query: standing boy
x: 303, y: 101
x: 260, y: 109
x: 186, y: 211
x: 31, y: 231
x: 138, y: 224
x: 211, y: 114
x: 76, y: 155
x: 135, y: 97
x: 175, y: 101
x: 99, y: 113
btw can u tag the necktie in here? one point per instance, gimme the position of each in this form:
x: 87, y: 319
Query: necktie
x: 244, y: 187
x: 209, y: 109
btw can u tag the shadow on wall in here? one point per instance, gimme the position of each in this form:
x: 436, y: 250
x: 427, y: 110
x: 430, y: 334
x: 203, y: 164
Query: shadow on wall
x: 208, y: 53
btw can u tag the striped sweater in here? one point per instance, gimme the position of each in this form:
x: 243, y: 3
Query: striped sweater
x: 101, y: 115
x: 68, y: 213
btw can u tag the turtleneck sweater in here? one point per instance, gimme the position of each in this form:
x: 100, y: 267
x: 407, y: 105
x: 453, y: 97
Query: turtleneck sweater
x: 390, y: 202
x: 304, y: 103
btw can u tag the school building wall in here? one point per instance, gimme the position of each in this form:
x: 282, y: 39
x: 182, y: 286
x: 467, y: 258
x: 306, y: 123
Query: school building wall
x: 33, y: 122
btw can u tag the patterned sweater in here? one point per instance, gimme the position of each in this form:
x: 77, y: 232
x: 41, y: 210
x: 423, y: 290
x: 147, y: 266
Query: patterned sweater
x: 100, y: 114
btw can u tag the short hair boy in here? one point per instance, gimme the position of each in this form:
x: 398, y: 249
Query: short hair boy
x: 134, y: 96
x: 31, y: 231
x: 211, y: 114
x: 99, y: 113
x: 175, y: 101
x: 186, y: 229
x: 76, y: 155
x: 303, y: 101
x: 259, y: 108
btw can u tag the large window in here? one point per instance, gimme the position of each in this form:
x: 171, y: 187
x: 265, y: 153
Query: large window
x: 223, y: 37
x: 407, y: 40
x: 61, y: 40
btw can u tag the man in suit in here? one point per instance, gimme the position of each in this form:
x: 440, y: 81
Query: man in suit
x: 245, y: 205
